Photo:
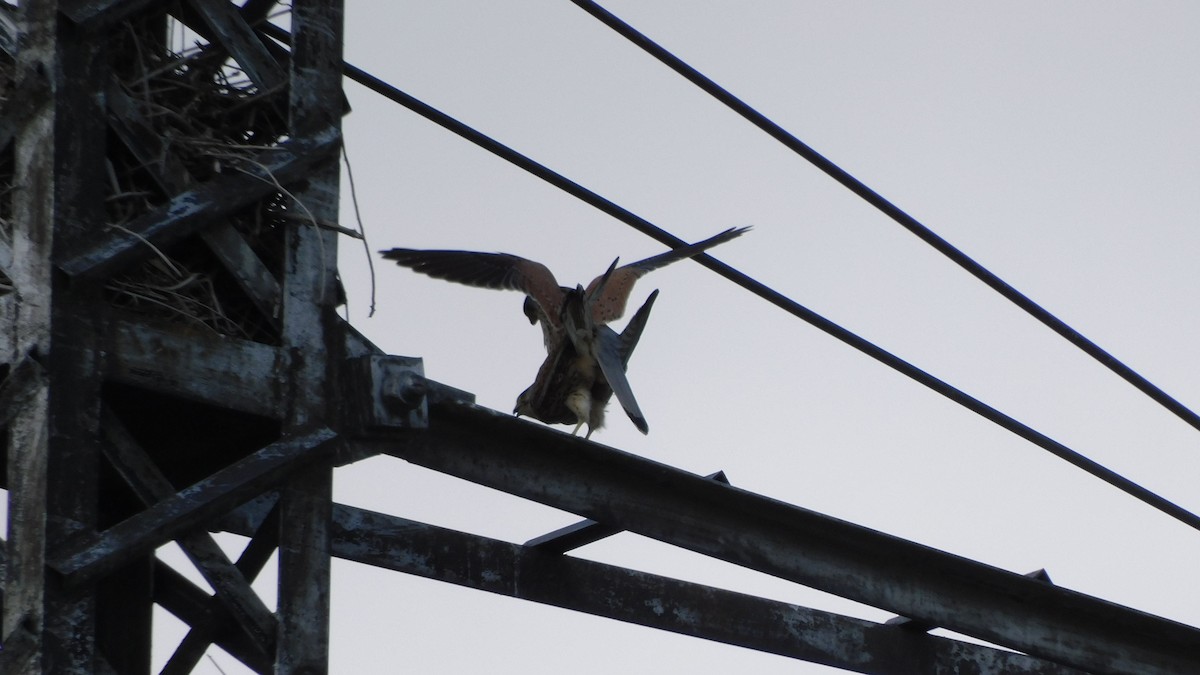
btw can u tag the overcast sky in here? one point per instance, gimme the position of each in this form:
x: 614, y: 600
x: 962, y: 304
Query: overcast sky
x: 1056, y: 143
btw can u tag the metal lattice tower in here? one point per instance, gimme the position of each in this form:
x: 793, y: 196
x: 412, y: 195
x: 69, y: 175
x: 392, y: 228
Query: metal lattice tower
x: 173, y: 365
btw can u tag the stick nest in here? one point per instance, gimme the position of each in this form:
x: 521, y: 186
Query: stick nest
x: 194, y: 115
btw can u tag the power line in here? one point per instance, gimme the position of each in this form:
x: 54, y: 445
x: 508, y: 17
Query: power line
x: 891, y: 210
x: 774, y: 297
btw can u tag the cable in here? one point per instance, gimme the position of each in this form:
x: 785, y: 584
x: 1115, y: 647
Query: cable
x: 891, y: 210
x: 770, y: 295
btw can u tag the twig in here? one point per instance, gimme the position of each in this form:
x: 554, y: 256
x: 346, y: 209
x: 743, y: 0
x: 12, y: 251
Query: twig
x: 154, y: 248
x: 358, y: 219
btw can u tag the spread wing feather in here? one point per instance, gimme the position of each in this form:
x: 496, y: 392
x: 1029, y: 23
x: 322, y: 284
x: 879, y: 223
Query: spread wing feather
x: 610, y: 304
x: 498, y: 271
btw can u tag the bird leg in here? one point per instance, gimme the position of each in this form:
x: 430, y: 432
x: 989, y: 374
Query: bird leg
x: 579, y: 401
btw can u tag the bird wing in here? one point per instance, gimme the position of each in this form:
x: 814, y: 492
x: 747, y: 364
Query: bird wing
x: 608, y: 355
x: 633, y: 330
x: 613, y: 293
x: 499, y: 271
x: 545, y: 399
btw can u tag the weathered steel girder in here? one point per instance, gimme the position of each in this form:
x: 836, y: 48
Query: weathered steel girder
x: 79, y: 572
x: 724, y: 522
x: 655, y: 601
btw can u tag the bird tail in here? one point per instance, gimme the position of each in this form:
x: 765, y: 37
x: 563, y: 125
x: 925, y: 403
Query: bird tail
x: 633, y: 330
x: 608, y: 354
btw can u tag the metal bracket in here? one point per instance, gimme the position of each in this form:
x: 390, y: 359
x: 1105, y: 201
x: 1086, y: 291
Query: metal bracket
x: 387, y: 393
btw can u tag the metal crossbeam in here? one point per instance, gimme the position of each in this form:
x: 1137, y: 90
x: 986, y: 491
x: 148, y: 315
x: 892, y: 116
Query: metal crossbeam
x: 193, y: 210
x: 96, y: 15
x: 587, y: 532
x: 228, y: 28
x: 85, y: 558
x: 227, y: 372
x: 206, y: 631
x: 913, y: 624
x: 8, y: 32
x: 194, y: 607
x: 789, y: 542
x: 661, y: 602
x: 151, y: 486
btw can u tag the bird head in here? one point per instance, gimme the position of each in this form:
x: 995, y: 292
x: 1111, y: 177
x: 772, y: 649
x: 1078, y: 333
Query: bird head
x: 574, y: 307
x: 523, y: 406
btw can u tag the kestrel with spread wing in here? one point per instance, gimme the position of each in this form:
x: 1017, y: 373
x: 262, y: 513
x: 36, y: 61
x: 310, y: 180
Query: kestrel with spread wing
x: 564, y: 313
x: 569, y: 387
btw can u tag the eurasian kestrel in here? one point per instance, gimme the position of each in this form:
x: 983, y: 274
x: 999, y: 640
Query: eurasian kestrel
x: 570, y: 389
x: 564, y: 313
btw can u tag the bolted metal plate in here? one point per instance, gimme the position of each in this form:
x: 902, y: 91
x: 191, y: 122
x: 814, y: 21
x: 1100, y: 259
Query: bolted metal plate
x: 388, y: 392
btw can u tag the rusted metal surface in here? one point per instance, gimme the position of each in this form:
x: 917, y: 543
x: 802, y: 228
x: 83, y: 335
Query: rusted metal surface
x: 387, y: 392
x: 84, y: 558
x: 8, y: 31
x: 96, y: 15
x: 586, y: 532
x: 195, y: 607
x: 60, y: 164
x: 51, y: 463
x: 228, y: 28
x: 310, y: 329
x: 26, y: 381
x: 228, y: 372
x: 661, y: 602
x: 21, y: 650
x: 5, y: 264
x: 247, y: 269
x: 854, y: 562
x: 33, y: 220
x: 213, y: 625
x: 151, y: 486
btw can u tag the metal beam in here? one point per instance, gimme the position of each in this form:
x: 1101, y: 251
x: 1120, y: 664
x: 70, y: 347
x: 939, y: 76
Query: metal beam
x: 20, y: 650
x: 661, y: 602
x: 229, y: 29
x: 96, y: 15
x: 193, y: 210
x: 586, y: 532
x: 84, y: 558
x: 793, y: 543
x: 31, y: 95
x: 5, y: 265
x: 194, y: 607
x: 8, y: 31
x: 24, y: 383
x: 311, y: 327
x: 205, y: 631
x: 151, y: 486
x: 125, y: 120
x: 246, y: 268
x: 232, y: 373
x: 59, y: 149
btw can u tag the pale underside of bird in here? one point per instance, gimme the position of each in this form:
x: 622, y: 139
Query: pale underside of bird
x: 574, y: 315
x: 570, y: 388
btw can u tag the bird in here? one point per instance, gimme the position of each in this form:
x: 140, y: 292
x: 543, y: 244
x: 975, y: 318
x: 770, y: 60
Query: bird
x: 567, y: 389
x: 575, y: 314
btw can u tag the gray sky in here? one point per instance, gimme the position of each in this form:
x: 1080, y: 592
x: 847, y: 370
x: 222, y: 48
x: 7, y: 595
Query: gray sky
x: 1056, y: 143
